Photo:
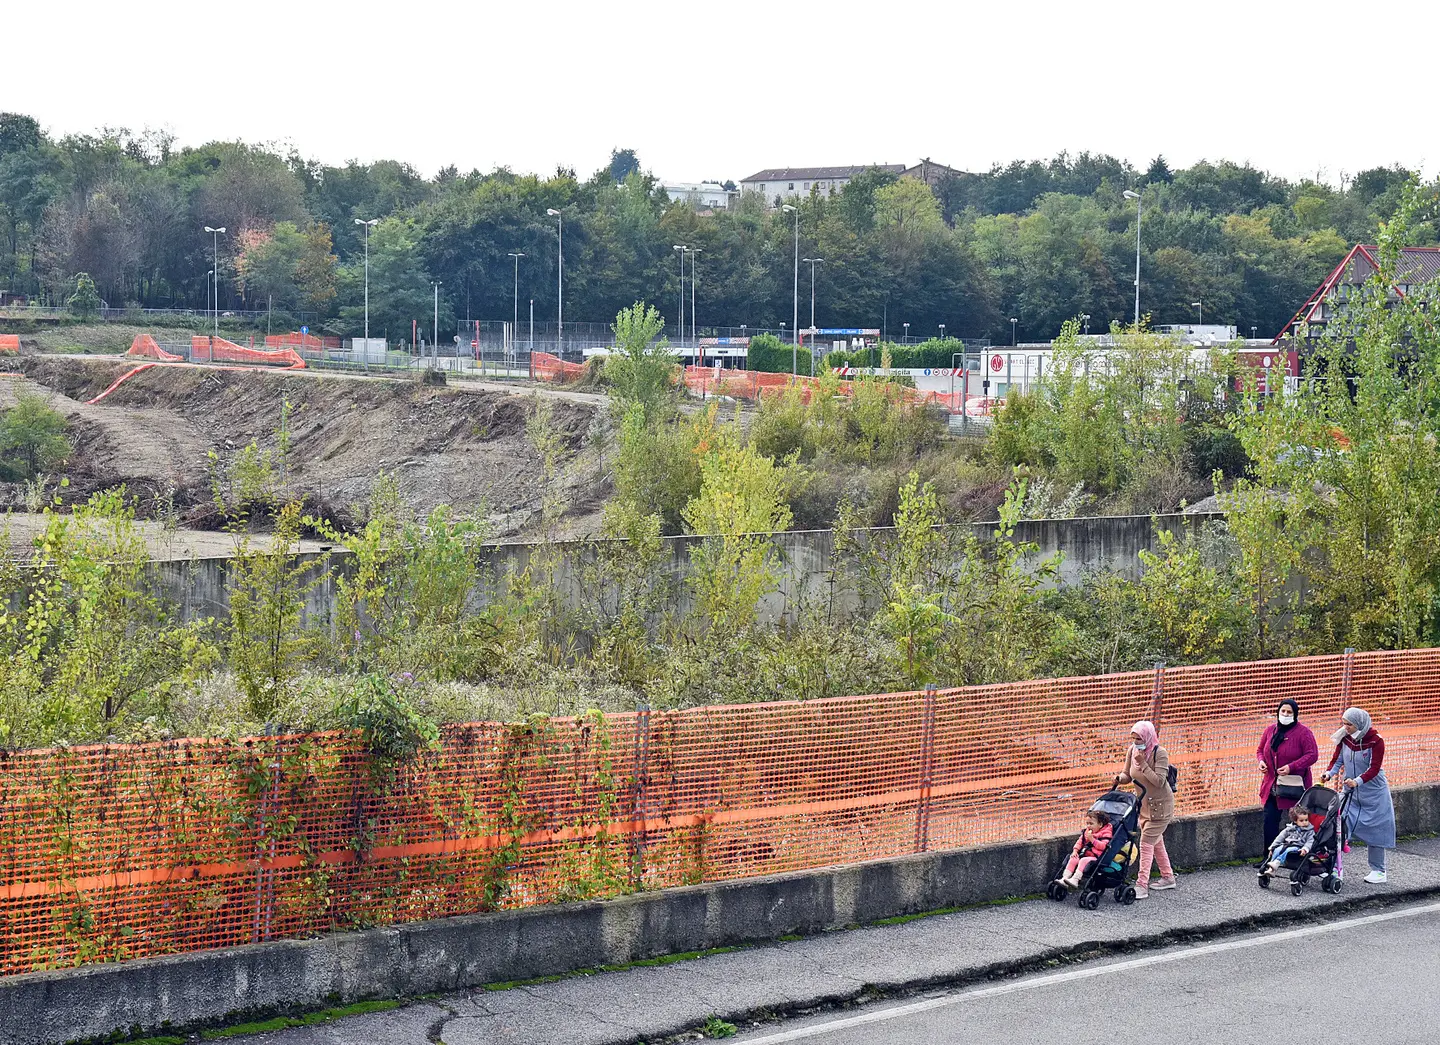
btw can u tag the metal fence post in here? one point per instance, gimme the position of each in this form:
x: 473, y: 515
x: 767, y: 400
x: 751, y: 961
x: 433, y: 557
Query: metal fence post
x: 1347, y: 672
x: 927, y: 757
x: 638, y: 794
x: 1157, y: 695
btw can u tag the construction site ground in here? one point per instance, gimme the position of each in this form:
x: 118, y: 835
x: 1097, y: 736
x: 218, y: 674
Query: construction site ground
x: 464, y: 444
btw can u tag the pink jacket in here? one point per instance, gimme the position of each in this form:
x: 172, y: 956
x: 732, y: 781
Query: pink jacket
x: 1094, y: 844
x: 1297, y: 750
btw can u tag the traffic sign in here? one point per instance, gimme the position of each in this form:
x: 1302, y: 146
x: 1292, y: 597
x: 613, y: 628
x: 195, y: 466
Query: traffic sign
x: 304, y: 330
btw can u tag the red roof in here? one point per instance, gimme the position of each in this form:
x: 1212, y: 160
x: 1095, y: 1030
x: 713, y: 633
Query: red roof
x: 1416, y: 265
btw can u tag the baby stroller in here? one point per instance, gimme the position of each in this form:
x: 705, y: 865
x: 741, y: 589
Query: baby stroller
x: 1326, y: 810
x: 1111, y: 869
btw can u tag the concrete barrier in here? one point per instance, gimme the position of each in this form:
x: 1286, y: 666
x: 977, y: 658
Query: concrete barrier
x: 193, y: 990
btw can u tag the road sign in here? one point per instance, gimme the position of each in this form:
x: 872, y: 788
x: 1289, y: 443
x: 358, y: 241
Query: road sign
x: 304, y: 330
x: 997, y: 363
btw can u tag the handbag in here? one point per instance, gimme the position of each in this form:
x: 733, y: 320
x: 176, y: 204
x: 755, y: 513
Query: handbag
x: 1289, y: 786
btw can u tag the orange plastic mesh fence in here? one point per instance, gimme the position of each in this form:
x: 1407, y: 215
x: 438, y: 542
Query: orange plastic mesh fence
x: 218, y: 350
x: 144, y: 347
x: 552, y: 368
x: 9, y: 344
x: 753, y: 384
x: 110, y: 853
x: 295, y: 339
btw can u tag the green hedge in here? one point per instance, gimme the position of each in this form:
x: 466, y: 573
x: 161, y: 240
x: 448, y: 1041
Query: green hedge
x: 768, y: 353
x: 937, y: 352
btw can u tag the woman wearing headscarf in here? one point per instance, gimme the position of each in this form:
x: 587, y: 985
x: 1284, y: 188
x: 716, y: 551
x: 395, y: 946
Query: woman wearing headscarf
x: 1287, y: 751
x: 1148, y: 764
x: 1370, y: 814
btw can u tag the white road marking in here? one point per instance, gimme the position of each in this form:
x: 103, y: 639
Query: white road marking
x: 1089, y: 972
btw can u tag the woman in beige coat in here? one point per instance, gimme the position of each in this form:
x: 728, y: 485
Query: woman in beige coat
x: 1147, y: 764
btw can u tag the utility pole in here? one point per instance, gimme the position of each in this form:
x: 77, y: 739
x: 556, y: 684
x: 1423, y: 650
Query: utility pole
x: 215, y: 253
x: 1139, y: 214
x: 795, y: 297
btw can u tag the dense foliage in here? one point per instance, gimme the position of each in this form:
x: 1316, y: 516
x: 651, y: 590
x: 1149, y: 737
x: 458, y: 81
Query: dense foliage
x: 1039, y: 242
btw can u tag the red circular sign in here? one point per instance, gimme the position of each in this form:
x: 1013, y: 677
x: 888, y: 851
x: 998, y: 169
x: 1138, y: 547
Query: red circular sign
x: 997, y: 363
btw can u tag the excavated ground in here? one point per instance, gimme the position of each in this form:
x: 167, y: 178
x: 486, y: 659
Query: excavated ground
x: 464, y: 447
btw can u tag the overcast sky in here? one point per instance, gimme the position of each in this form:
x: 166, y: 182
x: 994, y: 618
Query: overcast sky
x: 712, y: 90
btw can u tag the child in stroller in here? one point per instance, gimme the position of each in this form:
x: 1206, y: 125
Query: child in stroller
x: 1109, y: 868
x: 1323, y: 809
x: 1294, y: 841
x: 1089, y: 847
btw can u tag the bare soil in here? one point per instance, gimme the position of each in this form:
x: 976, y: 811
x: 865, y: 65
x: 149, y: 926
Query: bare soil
x: 463, y: 447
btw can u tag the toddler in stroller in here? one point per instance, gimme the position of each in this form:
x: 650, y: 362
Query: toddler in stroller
x: 1093, y: 867
x: 1321, y: 809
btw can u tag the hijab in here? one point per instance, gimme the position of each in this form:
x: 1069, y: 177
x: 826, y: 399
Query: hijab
x: 1146, y: 732
x: 1280, y: 728
x: 1360, y: 719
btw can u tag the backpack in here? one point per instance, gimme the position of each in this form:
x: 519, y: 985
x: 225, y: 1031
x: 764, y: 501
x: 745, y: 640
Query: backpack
x: 1172, y: 777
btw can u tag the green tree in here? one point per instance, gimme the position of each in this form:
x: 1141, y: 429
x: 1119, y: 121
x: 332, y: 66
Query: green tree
x: 642, y: 371
x: 85, y: 302
x: 32, y: 438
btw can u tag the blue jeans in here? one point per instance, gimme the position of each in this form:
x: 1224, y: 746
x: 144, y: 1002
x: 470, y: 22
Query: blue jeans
x: 1281, y: 855
x: 1375, y: 855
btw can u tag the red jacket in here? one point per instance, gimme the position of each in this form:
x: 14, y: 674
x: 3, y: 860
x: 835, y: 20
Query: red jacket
x: 1094, y: 845
x: 1298, y: 750
x: 1376, y: 745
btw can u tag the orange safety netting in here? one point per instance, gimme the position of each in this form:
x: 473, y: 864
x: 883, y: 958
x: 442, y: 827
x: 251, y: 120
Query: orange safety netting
x: 116, y: 852
x: 9, y: 344
x: 295, y: 339
x: 218, y: 350
x: 553, y: 368
x: 754, y: 384
x: 144, y: 347
x: 120, y: 381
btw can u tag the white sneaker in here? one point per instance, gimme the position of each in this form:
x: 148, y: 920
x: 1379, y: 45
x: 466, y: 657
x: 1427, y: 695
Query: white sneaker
x: 1376, y: 878
x: 1141, y: 894
x: 1163, y: 884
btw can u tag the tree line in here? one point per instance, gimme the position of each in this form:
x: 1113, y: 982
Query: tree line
x: 1039, y: 242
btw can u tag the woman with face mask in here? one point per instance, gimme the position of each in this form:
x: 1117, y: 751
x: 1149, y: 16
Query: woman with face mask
x: 1287, y: 751
x: 1148, y: 764
x: 1370, y: 813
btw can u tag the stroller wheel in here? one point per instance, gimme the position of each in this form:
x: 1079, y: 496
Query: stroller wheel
x: 1128, y: 897
x: 1335, y: 884
x: 1296, y: 888
x: 1120, y: 894
x: 1060, y: 892
x: 1264, y: 881
x: 1090, y: 900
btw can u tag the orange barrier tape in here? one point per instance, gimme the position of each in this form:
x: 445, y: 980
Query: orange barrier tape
x: 115, y: 852
x: 120, y: 381
x: 9, y: 344
x: 755, y: 384
x: 144, y: 347
x: 552, y: 368
x: 218, y: 350
x: 295, y: 339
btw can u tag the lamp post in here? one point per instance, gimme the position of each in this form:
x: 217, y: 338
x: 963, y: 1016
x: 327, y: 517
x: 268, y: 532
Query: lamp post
x: 1252, y: 333
x: 1201, y: 306
x: 942, y: 331
x: 1013, y: 321
x: 1139, y: 214
x: 681, y: 248
x: 515, y: 303
x: 435, y: 322
x: 368, y: 226
x: 215, y: 272
x: 694, y: 332
x: 559, y: 283
x: 907, y: 332
x: 795, y: 295
x: 812, y: 262
x: 1085, y: 319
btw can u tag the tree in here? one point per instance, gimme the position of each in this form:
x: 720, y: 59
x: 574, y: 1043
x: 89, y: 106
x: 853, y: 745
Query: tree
x: 32, y: 438
x: 641, y: 370
x: 623, y: 163
x: 286, y: 265
x: 399, y: 287
x: 85, y: 302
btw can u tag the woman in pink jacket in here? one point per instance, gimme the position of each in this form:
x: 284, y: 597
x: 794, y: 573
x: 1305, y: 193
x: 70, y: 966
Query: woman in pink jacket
x: 1287, y: 751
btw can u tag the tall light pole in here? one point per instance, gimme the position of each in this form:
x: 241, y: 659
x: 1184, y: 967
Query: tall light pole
x: 795, y: 298
x: 907, y: 332
x: 1013, y: 321
x: 435, y: 323
x: 680, y: 249
x: 1085, y: 319
x: 812, y: 262
x: 1201, y: 306
x: 215, y: 272
x: 559, y: 284
x: 1139, y: 213
x: 515, y: 302
x: 368, y: 226
x: 694, y: 331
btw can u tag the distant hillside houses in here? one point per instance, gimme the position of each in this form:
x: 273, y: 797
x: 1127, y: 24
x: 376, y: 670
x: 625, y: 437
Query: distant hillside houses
x: 778, y: 184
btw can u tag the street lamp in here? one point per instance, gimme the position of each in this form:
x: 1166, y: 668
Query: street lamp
x: 1085, y: 319
x: 559, y: 283
x: 795, y: 295
x: 435, y: 323
x: 907, y: 332
x: 1013, y: 321
x: 942, y: 331
x: 1139, y: 214
x: 1252, y: 333
x: 812, y: 262
x: 1201, y: 306
x: 368, y: 226
x: 694, y: 332
x: 215, y: 272
x: 515, y: 306
x: 681, y: 248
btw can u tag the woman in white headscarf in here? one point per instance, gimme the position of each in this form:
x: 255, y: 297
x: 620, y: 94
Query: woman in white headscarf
x: 1370, y: 814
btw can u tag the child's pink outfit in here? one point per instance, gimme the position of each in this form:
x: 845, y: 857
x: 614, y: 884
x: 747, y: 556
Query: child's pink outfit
x: 1089, y: 847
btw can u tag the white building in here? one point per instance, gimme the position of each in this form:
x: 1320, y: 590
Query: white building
x: 780, y: 183
x: 701, y: 193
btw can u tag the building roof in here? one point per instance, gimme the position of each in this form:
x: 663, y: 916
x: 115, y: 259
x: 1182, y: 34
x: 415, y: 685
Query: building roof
x: 930, y: 172
x: 819, y: 173
x: 1416, y: 265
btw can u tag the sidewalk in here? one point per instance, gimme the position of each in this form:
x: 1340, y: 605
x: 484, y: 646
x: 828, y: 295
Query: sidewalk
x: 648, y: 1004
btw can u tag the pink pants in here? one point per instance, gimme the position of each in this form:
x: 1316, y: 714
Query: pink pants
x: 1152, y: 849
x: 1078, y: 865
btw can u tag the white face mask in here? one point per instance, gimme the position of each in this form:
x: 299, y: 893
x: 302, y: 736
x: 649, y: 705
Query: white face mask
x: 1138, y: 745
x: 1287, y: 719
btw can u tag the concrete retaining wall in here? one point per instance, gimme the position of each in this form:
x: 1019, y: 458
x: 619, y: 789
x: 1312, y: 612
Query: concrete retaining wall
x: 809, y: 568
x: 455, y: 953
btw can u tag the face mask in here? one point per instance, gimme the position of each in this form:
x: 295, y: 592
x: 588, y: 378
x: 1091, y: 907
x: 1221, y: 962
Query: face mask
x: 1340, y: 734
x: 1287, y: 719
x: 1138, y: 745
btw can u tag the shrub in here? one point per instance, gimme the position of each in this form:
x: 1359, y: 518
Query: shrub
x: 32, y: 438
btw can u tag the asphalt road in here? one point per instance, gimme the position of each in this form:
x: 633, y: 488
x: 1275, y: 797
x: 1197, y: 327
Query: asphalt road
x: 1370, y: 977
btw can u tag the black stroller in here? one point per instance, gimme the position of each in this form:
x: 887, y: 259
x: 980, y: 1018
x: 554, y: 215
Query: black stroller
x: 1326, y: 858
x: 1111, y: 870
